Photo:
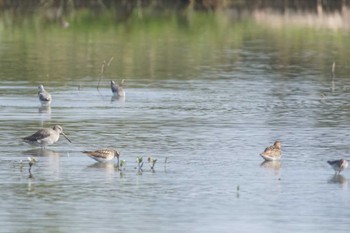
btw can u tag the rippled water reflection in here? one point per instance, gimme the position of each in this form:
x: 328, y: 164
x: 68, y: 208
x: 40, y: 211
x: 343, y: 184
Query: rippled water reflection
x: 211, y: 127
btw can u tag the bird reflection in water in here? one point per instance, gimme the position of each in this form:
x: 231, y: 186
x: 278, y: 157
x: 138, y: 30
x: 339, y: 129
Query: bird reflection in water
x: 109, y: 168
x: 338, y: 179
x: 44, y: 113
x: 272, y: 165
x: 120, y: 99
x: 275, y: 165
x: 41, y: 153
x: 45, y: 109
x: 52, y: 160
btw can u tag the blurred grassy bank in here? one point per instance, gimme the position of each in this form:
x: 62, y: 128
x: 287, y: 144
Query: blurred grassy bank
x: 175, y: 42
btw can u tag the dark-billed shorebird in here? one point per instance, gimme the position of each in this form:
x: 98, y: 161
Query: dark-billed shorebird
x: 46, y: 136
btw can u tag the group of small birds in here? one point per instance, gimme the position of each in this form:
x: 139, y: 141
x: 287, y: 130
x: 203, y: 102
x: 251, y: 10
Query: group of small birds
x: 48, y: 136
x: 274, y: 152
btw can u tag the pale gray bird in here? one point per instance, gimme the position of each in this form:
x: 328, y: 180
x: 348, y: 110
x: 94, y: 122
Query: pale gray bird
x: 44, y: 97
x: 46, y: 136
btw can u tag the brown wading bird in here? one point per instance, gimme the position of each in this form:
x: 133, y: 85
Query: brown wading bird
x: 46, y: 136
x: 272, y: 153
x: 338, y: 165
x: 103, y: 155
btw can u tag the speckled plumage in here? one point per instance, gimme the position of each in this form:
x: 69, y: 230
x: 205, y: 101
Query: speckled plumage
x: 103, y: 155
x: 272, y: 152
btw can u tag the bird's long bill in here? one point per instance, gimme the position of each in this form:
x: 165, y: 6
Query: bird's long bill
x: 66, y: 137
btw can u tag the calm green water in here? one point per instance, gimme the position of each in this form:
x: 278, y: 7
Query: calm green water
x: 206, y: 91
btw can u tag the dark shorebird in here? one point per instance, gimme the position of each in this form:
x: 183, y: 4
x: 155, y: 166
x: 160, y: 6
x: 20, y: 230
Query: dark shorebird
x: 118, y: 90
x: 103, y: 155
x: 272, y: 153
x: 338, y: 165
x: 46, y: 136
x: 44, y: 97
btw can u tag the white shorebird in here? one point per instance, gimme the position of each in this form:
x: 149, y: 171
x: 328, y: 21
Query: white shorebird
x: 46, y: 136
x: 44, y: 97
x: 103, y: 155
x: 118, y: 90
x: 272, y: 153
x: 338, y: 165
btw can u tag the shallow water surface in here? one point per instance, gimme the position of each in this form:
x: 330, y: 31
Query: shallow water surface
x: 210, y: 123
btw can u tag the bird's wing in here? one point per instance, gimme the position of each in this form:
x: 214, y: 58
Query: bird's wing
x: 114, y: 88
x: 333, y: 162
x: 271, y: 151
x: 269, y: 148
x: 44, y: 96
x: 39, y: 135
x: 103, y: 153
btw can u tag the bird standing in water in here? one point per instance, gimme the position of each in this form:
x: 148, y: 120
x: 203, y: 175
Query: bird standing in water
x: 338, y: 165
x: 118, y: 90
x: 44, y: 97
x: 103, y: 155
x: 272, y: 153
x: 46, y: 136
